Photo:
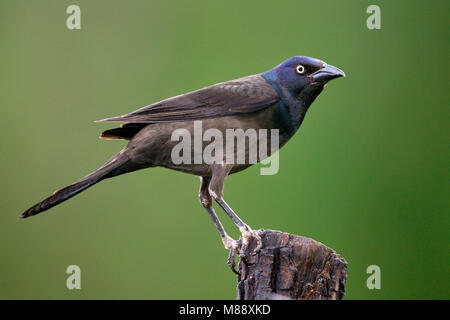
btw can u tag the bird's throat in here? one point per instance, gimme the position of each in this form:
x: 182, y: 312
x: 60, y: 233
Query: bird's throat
x: 292, y: 111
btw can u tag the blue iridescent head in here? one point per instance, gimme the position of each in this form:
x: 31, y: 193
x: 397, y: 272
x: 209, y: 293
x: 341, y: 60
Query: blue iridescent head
x: 298, y: 81
x: 302, y: 74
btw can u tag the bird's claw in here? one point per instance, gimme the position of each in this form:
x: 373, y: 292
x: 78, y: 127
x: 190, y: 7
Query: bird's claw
x: 247, y: 235
x: 241, y: 245
x: 233, y: 246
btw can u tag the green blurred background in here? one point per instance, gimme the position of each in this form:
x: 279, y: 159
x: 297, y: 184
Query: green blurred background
x: 367, y: 174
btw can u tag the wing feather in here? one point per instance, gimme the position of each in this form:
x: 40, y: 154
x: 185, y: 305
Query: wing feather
x: 244, y: 95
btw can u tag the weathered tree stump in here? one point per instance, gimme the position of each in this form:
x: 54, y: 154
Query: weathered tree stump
x: 291, y: 267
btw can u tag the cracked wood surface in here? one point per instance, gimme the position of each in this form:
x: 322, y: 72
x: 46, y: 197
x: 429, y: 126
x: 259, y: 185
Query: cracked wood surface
x: 291, y: 267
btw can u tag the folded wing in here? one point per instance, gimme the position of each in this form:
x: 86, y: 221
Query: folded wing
x: 244, y: 95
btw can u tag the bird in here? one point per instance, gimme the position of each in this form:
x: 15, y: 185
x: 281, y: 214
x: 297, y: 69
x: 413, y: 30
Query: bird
x: 277, y: 99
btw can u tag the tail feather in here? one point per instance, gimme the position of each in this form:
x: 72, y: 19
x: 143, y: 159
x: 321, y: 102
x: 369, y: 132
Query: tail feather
x: 58, y: 197
x: 126, y: 131
x: 109, y: 169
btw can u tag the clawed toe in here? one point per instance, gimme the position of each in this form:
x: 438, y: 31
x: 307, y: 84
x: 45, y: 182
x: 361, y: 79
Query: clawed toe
x: 231, y: 262
x: 233, y: 246
x: 258, y: 243
x: 247, y: 235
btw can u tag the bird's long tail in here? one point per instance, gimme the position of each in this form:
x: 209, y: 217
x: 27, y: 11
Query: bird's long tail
x: 113, y: 167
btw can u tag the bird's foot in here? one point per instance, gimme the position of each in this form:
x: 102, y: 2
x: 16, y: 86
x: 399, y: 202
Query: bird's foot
x: 233, y: 246
x: 247, y: 235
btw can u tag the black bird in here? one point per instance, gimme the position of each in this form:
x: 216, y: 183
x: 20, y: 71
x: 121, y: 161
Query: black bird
x: 276, y: 99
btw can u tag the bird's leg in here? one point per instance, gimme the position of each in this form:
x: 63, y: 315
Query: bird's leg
x: 215, y: 189
x: 246, y: 231
x: 229, y: 243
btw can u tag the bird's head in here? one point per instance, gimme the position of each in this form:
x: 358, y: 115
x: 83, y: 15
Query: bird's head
x: 302, y: 75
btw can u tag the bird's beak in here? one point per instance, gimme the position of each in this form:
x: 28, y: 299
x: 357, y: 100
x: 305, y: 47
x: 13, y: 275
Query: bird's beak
x: 327, y: 73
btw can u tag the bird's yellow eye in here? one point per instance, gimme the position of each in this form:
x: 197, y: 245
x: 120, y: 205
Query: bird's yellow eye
x: 300, y: 69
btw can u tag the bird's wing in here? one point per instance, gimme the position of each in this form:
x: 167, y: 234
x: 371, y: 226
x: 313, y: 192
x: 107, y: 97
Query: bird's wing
x: 244, y: 95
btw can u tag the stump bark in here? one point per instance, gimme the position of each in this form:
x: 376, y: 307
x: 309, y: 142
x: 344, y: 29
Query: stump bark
x: 290, y: 267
